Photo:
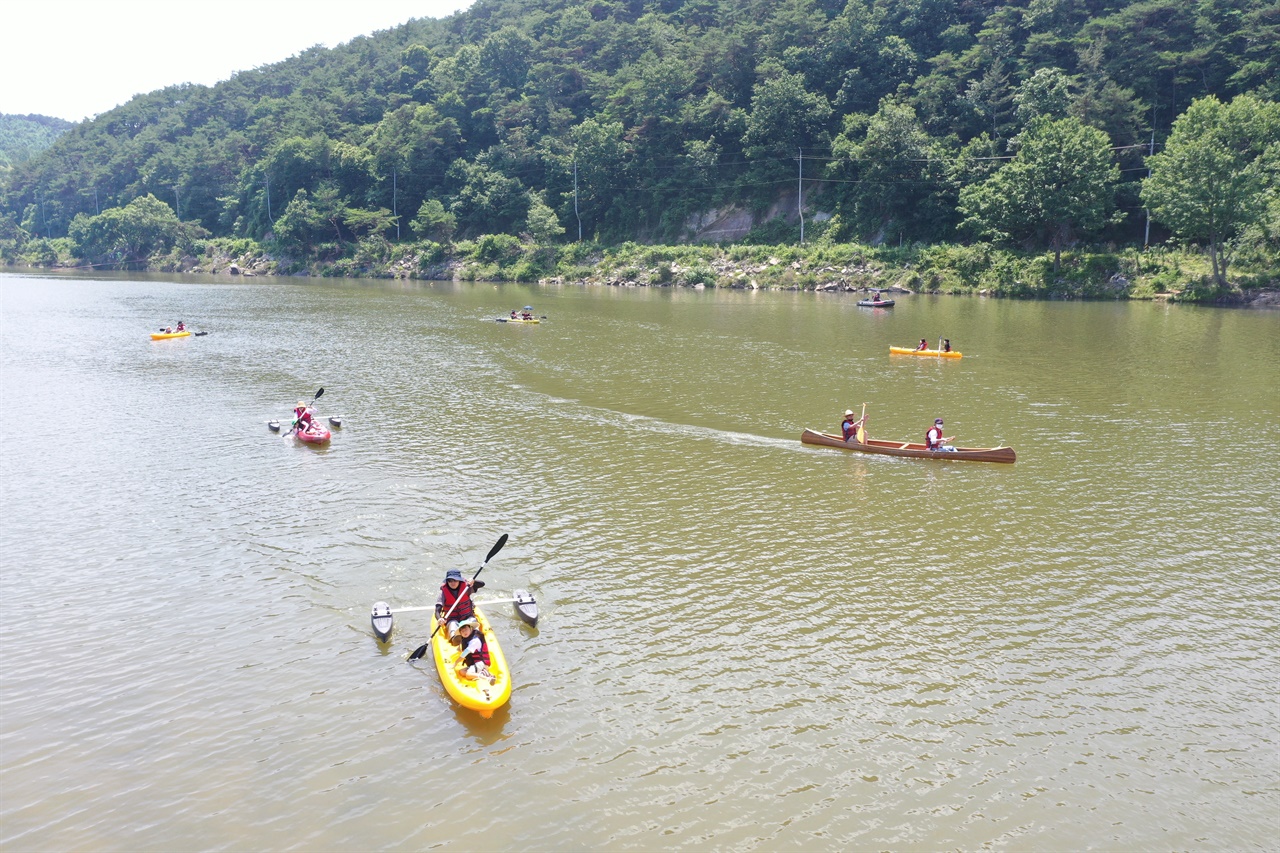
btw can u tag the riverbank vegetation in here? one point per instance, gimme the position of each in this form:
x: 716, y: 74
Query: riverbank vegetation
x: 819, y: 144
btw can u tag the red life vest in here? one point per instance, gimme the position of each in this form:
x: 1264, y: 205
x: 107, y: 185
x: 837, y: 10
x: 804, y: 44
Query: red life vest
x: 933, y: 437
x: 849, y: 428
x: 481, y: 654
x: 464, y: 610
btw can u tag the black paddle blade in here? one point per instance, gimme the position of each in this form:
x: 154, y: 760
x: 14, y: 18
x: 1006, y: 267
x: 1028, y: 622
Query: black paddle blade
x: 318, y: 393
x: 419, y: 651
x: 502, y: 540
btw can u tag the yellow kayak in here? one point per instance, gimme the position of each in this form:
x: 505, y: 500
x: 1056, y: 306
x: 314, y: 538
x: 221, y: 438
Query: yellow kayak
x: 476, y: 694
x: 936, y: 353
x: 164, y: 336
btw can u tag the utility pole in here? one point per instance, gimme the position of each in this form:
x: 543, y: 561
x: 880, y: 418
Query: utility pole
x: 575, y: 199
x: 177, y: 202
x: 800, y: 195
x: 266, y: 182
x: 1146, y: 236
x: 394, y: 212
x: 96, y: 210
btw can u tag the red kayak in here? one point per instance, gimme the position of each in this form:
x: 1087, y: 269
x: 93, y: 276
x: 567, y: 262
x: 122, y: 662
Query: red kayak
x: 315, y: 435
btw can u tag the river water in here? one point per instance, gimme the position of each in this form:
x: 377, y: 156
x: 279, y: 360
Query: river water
x: 746, y: 643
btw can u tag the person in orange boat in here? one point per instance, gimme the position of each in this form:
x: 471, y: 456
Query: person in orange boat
x: 946, y: 344
x: 454, y: 601
x: 849, y: 426
x: 922, y: 346
x: 182, y: 327
x: 474, y: 650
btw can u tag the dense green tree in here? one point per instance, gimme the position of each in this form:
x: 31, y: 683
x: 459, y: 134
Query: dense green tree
x: 129, y: 234
x: 1216, y: 174
x: 1058, y: 184
x: 433, y: 222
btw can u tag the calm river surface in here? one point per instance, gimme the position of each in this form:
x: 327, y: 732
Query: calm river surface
x: 746, y: 643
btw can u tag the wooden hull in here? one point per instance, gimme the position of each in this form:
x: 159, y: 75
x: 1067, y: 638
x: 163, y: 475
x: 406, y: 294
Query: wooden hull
x: 476, y: 694
x: 932, y: 352
x: 907, y: 448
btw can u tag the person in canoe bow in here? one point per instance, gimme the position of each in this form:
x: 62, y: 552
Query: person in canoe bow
x: 474, y: 650
x: 922, y: 346
x: 454, y: 601
x: 514, y: 315
x: 935, y: 439
x: 182, y: 327
x: 849, y: 426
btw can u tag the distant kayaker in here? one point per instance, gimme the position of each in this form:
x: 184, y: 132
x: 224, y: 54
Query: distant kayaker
x: 924, y: 345
x: 454, y: 600
x: 527, y: 314
x: 849, y: 426
x: 302, y: 416
x: 946, y: 344
x: 181, y: 326
x: 514, y: 315
x: 474, y: 650
x: 934, y: 437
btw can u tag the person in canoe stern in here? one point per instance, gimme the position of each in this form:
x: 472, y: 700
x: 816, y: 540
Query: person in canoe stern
x: 922, y: 346
x: 946, y: 344
x: 527, y: 314
x: 302, y: 416
x: 934, y: 437
x: 849, y: 426
x: 455, y: 595
x: 474, y: 650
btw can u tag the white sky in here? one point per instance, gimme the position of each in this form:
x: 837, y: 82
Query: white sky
x: 75, y: 59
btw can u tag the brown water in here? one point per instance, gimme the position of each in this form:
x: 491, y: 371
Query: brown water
x: 746, y: 643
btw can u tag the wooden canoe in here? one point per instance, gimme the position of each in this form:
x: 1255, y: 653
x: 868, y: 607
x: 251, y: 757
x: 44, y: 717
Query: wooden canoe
x: 936, y: 353
x: 909, y: 448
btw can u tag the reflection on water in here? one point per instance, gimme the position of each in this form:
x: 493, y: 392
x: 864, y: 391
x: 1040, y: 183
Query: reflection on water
x: 745, y: 643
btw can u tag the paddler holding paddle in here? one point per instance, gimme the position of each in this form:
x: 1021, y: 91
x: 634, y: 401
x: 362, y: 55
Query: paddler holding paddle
x: 854, y: 429
x: 454, y: 601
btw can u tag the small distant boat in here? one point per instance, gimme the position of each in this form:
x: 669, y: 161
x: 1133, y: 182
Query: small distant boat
x: 910, y: 448
x: 937, y: 353
x: 164, y: 336
x: 875, y: 303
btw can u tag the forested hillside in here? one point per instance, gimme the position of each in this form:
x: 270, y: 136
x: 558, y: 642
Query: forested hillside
x: 22, y: 137
x: 1030, y: 124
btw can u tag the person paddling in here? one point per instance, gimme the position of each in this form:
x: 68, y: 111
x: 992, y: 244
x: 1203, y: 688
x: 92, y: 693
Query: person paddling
x: 924, y: 345
x: 946, y: 344
x: 302, y: 416
x: 934, y: 437
x: 454, y: 601
x: 849, y: 426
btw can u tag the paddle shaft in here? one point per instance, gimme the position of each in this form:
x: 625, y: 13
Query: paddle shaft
x: 422, y: 649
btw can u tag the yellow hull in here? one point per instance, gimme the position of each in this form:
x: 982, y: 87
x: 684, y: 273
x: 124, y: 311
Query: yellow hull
x: 522, y: 320
x: 164, y: 336
x: 933, y: 352
x: 476, y: 694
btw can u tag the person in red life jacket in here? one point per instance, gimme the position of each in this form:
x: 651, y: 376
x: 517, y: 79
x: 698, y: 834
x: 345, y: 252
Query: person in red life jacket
x: 924, y: 345
x: 182, y: 326
x: 302, y: 416
x: 514, y: 315
x: 527, y: 313
x: 454, y: 601
x: 474, y: 650
x: 934, y: 437
x: 849, y: 426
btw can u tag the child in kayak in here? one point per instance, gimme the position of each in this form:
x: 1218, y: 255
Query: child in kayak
x: 924, y: 345
x: 474, y: 650
x: 302, y: 416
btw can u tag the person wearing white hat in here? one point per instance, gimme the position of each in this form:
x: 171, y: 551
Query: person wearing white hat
x: 473, y: 651
x: 849, y: 426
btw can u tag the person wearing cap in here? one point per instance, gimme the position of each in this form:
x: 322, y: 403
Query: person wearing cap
x: 302, y: 416
x: 849, y: 427
x: 473, y: 650
x: 454, y: 601
x: 934, y: 437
